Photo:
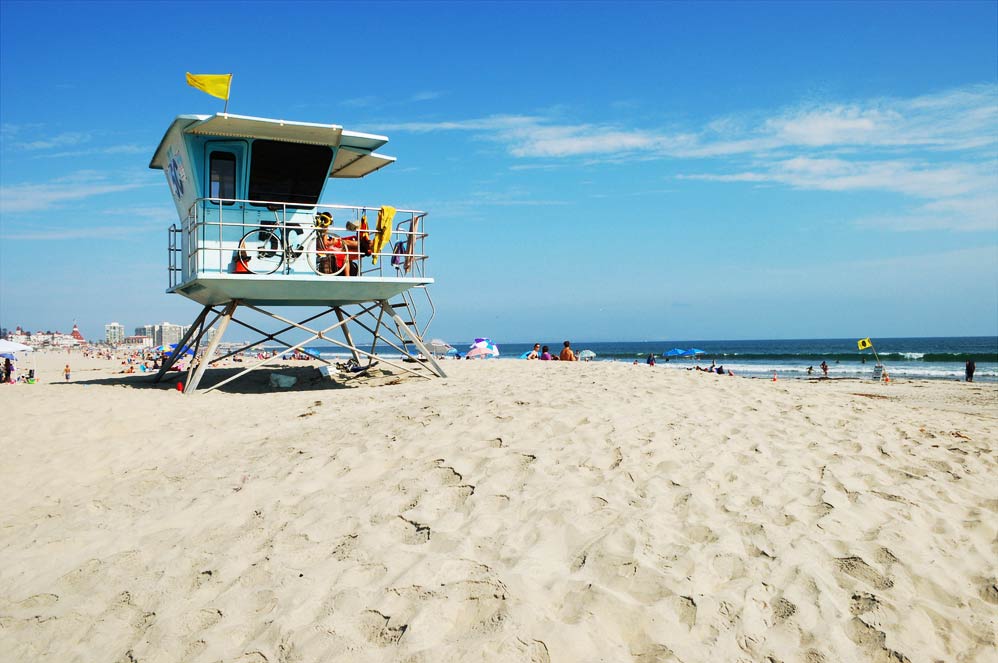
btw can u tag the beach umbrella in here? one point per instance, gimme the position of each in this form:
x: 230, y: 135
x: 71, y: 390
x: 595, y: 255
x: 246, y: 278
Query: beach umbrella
x: 482, y: 353
x: 485, y: 343
x: 694, y: 352
x: 184, y: 351
x: 675, y: 352
x: 587, y: 354
x: 482, y: 347
x: 10, y: 347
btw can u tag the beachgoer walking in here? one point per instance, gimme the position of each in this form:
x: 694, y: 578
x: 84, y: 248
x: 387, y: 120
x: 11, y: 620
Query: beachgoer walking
x: 8, y: 368
x: 971, y: 367
x: 810, y: 369
x: 651, y: 360
x: 66, y: 371
x: 567, y: 354
x: 535, y: 353
x: 824, y: 368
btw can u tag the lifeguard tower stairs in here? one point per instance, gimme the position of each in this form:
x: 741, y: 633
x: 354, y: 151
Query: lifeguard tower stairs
x: 252, y: 237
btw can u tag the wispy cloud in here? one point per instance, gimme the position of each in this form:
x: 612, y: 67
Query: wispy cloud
x: 134, y: 221
x: 939, y: 148
x: 130, y: 148
x: 371, y: 101
x: 964, y: 119
x: 359, y: 102
x: 425, y: 95
x: 67, y: 139
x: 924, y: 180
x: 48, y: 195
x: 970, y: 214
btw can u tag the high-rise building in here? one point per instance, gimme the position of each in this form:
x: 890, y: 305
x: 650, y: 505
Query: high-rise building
x: 114, y: 333
x: 168, y: 334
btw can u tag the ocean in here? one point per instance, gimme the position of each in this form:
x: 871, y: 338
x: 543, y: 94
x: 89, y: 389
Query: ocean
x: 906, y: 358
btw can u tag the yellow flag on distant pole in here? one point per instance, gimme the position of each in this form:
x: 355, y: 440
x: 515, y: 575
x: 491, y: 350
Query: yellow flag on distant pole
x: 865, y: 343
x: 217, y: 85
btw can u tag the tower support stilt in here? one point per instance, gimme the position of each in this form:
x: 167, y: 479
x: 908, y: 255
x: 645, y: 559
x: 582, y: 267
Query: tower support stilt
x: 370, y: 316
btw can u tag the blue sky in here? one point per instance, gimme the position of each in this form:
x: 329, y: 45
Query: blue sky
x: 592, y: 171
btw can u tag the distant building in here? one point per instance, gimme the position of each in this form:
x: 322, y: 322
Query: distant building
x: 146, y: 330
x: 168, y: 334
x: 138, y: 341
x: 78, y: 337
x: 114, y: 333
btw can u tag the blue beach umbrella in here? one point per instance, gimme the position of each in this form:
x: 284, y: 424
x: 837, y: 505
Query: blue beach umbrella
x: 692, y: 352
x: 675, y: 352
x: 184, y: 351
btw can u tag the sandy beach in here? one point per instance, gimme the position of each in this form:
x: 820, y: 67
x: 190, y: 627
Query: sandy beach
x: 515, y: 511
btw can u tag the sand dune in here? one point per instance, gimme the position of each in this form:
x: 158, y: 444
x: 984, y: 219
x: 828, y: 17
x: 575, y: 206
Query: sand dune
x: 517, y: 511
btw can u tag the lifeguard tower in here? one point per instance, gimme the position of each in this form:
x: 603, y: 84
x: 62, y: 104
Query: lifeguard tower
x: 253, y: 235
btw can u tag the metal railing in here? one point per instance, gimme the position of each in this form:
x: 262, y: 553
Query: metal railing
x: 280, y: 239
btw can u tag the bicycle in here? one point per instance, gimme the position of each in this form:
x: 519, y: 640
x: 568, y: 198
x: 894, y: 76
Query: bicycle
x: 268, y: 248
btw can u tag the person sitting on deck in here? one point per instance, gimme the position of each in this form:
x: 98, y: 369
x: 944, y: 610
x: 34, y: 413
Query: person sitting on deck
x: 335, y: 254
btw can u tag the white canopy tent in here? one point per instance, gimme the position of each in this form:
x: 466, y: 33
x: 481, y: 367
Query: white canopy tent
x: 9, y: 348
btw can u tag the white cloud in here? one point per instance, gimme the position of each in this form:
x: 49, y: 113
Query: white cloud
x: 969, y: 214
x: 43, y: 196
x: 955, y: 120
x: 67, y: 139
x: 923, y: 180
x: 426, y: 95
x: 939, y: 148
x: 94, y: 224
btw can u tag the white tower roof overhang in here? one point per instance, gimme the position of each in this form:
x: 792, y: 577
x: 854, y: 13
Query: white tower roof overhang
x: 355, y: 158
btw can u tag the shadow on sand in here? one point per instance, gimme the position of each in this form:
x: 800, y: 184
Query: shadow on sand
x: 256, y: 382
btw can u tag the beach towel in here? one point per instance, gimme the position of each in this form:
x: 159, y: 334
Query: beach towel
x: 383, y: 233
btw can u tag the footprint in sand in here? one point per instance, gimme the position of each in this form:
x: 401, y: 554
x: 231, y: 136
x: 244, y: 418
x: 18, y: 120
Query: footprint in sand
x: 378, y: 629
x: 874, y: 642
x: 783, y: 610
x: 860, y: 570
x: 409, y: 531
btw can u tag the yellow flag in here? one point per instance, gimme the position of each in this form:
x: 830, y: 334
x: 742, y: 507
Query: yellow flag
x: 864, y: 343
x: 217, y: 85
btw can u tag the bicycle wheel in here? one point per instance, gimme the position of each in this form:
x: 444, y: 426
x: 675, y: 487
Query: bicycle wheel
x: 323, y: 263
x: 261, y: 251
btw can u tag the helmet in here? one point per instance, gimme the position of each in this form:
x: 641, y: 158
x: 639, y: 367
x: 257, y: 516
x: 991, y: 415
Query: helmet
x: 323, y: 220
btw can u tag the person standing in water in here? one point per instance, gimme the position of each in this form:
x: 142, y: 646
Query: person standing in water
x: 970, y: 368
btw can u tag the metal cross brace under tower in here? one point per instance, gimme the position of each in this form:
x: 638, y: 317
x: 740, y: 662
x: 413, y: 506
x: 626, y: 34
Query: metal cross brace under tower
x: 385, y: 325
